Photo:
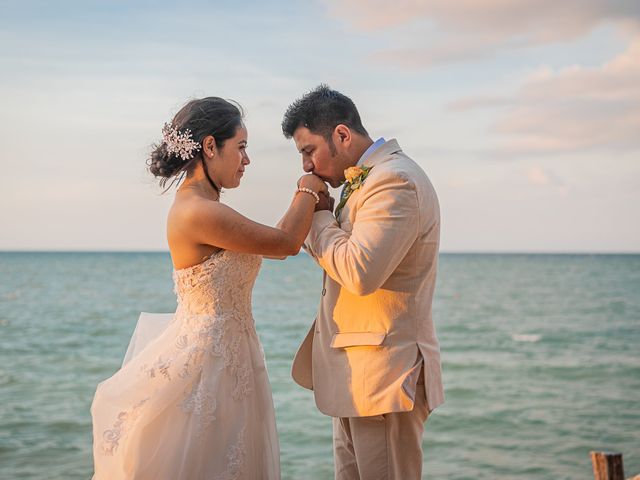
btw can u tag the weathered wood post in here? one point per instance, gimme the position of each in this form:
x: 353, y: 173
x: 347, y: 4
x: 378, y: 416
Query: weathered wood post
x: 607, y: 466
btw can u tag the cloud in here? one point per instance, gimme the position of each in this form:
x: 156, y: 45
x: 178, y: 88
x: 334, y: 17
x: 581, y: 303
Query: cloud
x: 572, y: 109
x: 430, y: 32
x: 539, y: 176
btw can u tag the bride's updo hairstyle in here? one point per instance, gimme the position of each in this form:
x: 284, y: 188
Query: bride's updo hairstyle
x: 181, y: 148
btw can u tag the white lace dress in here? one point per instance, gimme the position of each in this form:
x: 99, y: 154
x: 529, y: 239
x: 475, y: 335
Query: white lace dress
x: 192, y: 399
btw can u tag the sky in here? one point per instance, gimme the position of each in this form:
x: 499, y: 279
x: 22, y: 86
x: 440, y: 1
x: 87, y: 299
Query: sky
x: 524, y: 114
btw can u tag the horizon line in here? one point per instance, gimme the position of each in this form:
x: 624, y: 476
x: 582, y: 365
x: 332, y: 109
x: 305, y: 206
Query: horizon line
x: 446, y: 252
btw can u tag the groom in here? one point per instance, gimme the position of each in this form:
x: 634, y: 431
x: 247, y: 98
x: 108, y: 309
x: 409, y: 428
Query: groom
x: 371, y: 356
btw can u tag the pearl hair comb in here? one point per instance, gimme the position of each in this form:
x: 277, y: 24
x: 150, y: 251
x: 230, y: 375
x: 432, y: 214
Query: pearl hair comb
x: 181, y: 144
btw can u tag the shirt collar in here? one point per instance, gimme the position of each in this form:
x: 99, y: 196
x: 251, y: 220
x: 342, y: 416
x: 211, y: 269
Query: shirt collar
x: 372, y: 148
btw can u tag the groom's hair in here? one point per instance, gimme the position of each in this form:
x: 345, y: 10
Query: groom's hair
x: 321, y: 110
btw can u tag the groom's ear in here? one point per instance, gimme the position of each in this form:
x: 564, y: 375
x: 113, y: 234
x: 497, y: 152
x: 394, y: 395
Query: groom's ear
x: 342, y: 135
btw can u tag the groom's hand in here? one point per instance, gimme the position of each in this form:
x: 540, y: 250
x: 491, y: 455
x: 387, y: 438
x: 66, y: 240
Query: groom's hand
x: 326, y: 202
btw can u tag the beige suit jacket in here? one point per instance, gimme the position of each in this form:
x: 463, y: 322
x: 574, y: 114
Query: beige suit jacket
x: 373, y: 331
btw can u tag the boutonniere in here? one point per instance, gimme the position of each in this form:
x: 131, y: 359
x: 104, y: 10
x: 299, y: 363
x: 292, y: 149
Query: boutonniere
x: 354, y: 178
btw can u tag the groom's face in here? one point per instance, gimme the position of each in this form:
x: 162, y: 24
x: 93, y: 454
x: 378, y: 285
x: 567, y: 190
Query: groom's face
x: 318, y: 157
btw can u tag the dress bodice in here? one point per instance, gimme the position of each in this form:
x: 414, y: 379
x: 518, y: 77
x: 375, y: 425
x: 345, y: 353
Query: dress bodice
x: 220, y: 286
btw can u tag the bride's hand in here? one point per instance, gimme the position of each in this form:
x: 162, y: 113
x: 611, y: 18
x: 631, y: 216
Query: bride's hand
x: 313, y: 182
x: 326, y: 202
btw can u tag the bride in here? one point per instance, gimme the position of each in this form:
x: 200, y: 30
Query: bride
x: 192, y: 399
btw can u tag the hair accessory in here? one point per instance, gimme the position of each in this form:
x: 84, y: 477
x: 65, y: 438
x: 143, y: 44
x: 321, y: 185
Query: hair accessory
x: 181, y: 144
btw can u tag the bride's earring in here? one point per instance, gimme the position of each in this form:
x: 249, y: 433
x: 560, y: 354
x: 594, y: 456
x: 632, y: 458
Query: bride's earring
x: 206, y: 170
x: 212, y: 150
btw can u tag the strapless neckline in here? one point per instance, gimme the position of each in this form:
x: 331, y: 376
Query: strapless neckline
x: 217, y: 254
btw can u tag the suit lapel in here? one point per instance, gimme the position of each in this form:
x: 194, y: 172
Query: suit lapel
x: 383, y: 153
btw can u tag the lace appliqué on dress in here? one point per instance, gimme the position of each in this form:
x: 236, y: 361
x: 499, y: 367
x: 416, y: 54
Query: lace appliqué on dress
x: 201, y: 403
x: 214, y: 306
x: 235, y: 460
x: 111, y: 438
x: 216, y: 298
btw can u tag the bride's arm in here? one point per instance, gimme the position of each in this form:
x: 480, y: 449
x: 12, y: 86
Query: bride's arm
x: 219, y: 225
x: 326, y: 203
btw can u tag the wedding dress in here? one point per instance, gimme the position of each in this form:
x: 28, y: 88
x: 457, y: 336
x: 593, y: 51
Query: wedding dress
x: 192, y: 399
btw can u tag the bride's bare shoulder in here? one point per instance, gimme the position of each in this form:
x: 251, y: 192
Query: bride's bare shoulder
x: 189, y: 210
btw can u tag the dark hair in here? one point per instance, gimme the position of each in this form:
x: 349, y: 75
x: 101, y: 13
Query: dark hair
x: 206, y: 116
x: 321, y: 110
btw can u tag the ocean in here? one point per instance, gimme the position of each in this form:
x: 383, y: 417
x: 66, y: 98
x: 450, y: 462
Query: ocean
x: 541, y: 360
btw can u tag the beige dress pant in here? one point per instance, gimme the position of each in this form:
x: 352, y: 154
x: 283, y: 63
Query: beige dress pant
x: 382, y: 447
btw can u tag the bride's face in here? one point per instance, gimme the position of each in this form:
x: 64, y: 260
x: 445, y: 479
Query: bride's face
x: 230, y: 161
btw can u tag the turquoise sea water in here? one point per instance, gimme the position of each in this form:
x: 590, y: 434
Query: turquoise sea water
x: 540, y: 356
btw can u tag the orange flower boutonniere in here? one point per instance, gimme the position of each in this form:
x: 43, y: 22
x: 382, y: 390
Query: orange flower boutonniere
x: 354, y: 178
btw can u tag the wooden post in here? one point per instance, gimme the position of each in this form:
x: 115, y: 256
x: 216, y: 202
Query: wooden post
x: 607, y: 466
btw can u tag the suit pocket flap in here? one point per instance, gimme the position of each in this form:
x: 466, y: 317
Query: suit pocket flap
x: 354, y: 339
